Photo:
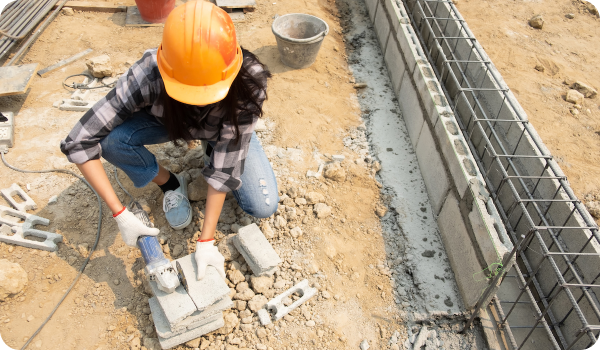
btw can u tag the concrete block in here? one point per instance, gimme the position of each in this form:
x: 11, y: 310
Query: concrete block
x: 411, y: 109
x: 430, y: 91
x: 395, y: 64
x: 257, y: 251
x: 7, y: 131
x: 208, y: 290
x: 461, y: 252
x: 382, y: 27
x: 12, y: 217
x: 372, y: 7
x: 279, y: 310
x: 394, y: 14
x: 164, y: 330
x: 446, y: 132
x: 167, y: 343
x: 408, y: 46
x: 176, y: 306
x: 15, y: 190
x: 49, y: 243
x: 76, y: 105
x: 432, y: 169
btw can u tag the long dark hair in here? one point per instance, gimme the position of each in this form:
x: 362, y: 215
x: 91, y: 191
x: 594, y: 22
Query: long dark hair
x: 242, y: 101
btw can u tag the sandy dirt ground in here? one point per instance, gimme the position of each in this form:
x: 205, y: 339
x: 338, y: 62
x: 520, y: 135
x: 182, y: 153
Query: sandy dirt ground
x: 568, y: 50
x: 308, y: 114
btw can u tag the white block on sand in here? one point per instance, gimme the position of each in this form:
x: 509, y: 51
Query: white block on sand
x: 257, y: 251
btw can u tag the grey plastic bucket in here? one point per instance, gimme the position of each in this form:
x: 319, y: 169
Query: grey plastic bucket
x: 299, y: 37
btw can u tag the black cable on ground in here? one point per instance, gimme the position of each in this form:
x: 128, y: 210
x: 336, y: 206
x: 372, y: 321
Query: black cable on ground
x: 84, y: 86
x: 64, y: 171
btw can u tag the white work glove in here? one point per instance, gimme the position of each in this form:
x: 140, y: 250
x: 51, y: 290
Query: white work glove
x: 131, y: 228
x: 208, y: 254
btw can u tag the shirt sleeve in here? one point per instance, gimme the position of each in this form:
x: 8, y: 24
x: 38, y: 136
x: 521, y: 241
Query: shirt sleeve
x: 228, y: 157
x: 134, y: 90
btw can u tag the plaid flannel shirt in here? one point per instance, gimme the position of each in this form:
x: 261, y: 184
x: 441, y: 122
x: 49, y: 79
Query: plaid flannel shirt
x: 140, y: 88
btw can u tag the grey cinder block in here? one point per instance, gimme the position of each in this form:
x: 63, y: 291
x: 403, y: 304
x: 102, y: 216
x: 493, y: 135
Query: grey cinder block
x: 15, y: 190
x: 432, y: 169
x: 411, y: 109
x: 257, y: 251
x: 49, y: 243
x: 176, y: 306
x: 278, y: 309
x: 167, y: 343
x: 207, y: 291
x: 164, y: 330
x: 382, y: 27
x: 29, y: 220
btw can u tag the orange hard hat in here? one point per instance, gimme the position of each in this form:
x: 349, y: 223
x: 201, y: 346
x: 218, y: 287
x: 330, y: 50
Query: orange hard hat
x: 199, y: 56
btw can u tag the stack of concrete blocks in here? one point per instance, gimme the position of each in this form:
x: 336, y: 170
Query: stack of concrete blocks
x: 16, y: 224
x: 257, y: 251
x: 185, y: 315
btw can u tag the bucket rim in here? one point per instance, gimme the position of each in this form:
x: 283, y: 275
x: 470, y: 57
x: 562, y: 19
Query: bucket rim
x: 312, y: 39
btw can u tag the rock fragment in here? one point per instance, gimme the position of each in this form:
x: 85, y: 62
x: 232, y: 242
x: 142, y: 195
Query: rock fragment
x: 261, y: 284
x: 537, y: 22
x: 574, y: 97
x: 322, y: 210
x: 197, y: 189
x: 314, y: 198
x: 586, y: 90
x: 296, y: 232
x: 67, y: 11
x: 335, y: 172
x: 100, y: 66
x: 594, y: 208
x: 13, y: 279
x: 257, y: 302
x: 228, y: 249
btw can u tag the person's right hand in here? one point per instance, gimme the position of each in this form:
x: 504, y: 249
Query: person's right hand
x: 131, y: 228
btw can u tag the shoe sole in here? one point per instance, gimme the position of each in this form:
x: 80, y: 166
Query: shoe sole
x: 183, y: 183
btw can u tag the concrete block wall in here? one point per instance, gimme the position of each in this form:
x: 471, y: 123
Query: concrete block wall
x: 505, y: 107
x: 470, y: 226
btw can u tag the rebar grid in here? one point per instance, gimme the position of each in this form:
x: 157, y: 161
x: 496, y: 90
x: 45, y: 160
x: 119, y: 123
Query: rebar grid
x: 552, y: 233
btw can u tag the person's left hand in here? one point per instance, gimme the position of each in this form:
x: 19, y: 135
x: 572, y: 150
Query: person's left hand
x: 208, y: 254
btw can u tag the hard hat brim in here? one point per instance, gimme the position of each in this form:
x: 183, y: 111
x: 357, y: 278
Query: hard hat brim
x: 199, y: 95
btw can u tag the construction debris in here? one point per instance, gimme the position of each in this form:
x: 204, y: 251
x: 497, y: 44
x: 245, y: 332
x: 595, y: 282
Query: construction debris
x: 15, y: 190
x: 26, y: 228
x: 277, y: 307
x: 257, y: 251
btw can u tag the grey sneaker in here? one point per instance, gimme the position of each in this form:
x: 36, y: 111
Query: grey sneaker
x: 176, y: 206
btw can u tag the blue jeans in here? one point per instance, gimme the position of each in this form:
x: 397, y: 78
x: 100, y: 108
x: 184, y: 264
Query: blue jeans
x: 124, y: 148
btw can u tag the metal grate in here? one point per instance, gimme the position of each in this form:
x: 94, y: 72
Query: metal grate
x: 556, y: 242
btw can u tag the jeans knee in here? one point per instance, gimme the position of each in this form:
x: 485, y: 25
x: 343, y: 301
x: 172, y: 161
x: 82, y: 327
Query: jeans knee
x: 262, y: 208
